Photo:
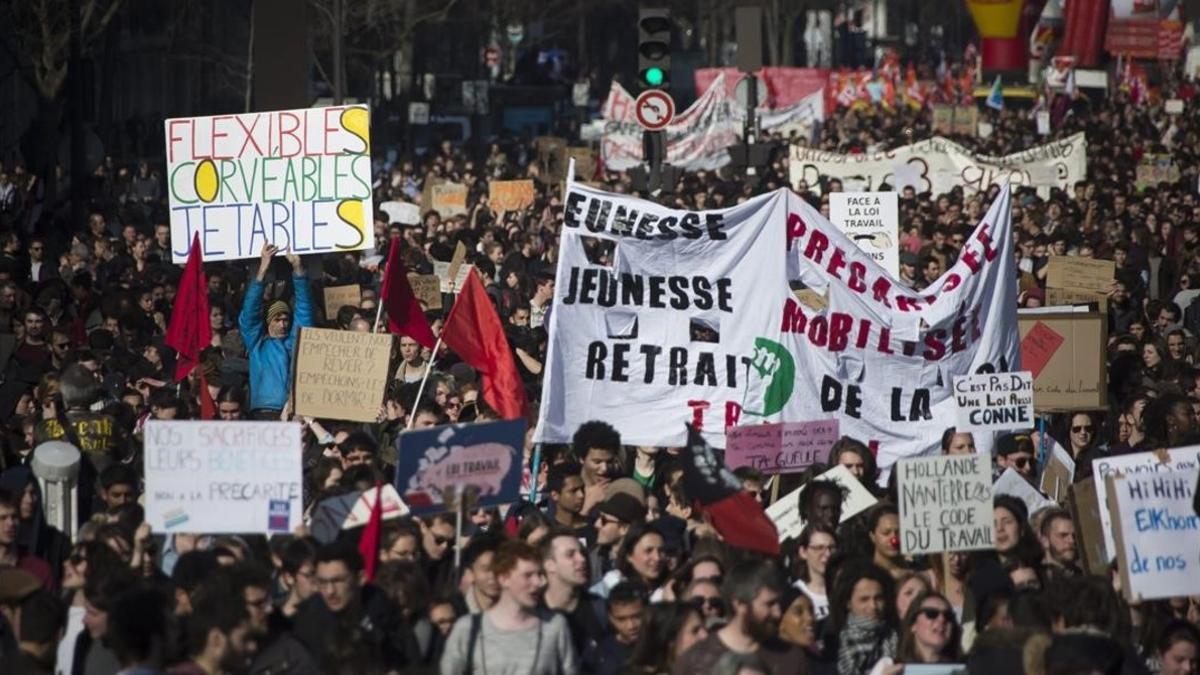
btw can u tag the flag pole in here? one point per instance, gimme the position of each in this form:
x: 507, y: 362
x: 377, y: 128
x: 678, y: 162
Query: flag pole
x: 412, y: 414
x: 378, y: 315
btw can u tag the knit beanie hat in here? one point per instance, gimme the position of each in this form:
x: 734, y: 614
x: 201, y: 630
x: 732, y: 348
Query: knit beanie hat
x: 278, y: 307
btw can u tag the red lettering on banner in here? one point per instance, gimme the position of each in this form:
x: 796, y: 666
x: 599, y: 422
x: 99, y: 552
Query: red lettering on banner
x: 880, y: 290
x: 698, y: 408
x: 971, y: 259
x: 171, y: 141
x: 836, y: 262
x: 249, y: 135
x: 935, y: 345
x: 817, y: 244
x: 733, y: 413
x: 795, y: 229
x: 858, y: 272
x: 793, y: 317
x: 214, y: 135
x: 290, y: 133
x: 989, y: 253
x: 839, y: 331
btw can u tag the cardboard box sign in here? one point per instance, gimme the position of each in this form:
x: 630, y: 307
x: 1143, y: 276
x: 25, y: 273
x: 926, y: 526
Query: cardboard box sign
x: 1057, y: 297
x: 449, y: 199
x: 510, y: 195
x: 1089, y: 534
x: 337, y: 297
x: 1083, y: 274
x: 1066, y: 354
x: 427, y: 288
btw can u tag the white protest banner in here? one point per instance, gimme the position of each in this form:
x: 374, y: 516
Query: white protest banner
x: 1141, y: 463
x: 871, y: 220
x: 780, y: 448
x: 697, y: 139
x: 785, y: 512
x: 219, y: 477
x: 995, y: 401
x: 1157, y: 533
x: 944, y: 164
x: 945, y: 504
x: 877, y: 358
x: 299, y: 179
x: 1012, y: 483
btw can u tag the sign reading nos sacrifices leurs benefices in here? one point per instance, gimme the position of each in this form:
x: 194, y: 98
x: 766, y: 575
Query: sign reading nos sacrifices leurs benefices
x: 299, y: 179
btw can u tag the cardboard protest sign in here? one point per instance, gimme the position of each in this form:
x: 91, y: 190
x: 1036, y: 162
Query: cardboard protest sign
x: 966, y: 120
x: 1089, y: 540
x: 1059, y: 471
x: 551, y: 159
x: 994, y: 401
x: 1154, y: 169
x: 1070, y: 296
x: 337, y: 297
x: 1157, y: 533
x: 872, y: 221
x: 352, y: 510
x: 486, y: 457
x: 1012, y: 483
x: 1137, y: 464
x: 510, y: 195
x: 340, y: 374
x: 298, y: 179
x: 1081, y: 274
x: 431, y: 181
x: 427, y: 288
x: 449, y: 199
x: 215, y: 477
x: 945, y: 504
x: 780, y: 448
x: 785, y: 512
x: 1066, y: 354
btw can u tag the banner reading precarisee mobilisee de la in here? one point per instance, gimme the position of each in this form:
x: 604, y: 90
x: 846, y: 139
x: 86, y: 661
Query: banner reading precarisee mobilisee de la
x: 695, y: 322
x: 299, y: 179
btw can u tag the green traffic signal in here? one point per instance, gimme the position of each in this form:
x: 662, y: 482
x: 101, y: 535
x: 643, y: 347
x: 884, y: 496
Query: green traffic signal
x: 654, y: 77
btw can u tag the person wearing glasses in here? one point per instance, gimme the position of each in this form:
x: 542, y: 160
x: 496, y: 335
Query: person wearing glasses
x: 817, y: 544
x: 271, y: 342
x: 930, y: 632
x: 1016, y: 451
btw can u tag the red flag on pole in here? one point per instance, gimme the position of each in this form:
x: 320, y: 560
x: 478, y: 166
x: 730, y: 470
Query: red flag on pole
x: 404, y: 312
x: 474, y: 332
x: 190, y: 330
x: 368, y: 545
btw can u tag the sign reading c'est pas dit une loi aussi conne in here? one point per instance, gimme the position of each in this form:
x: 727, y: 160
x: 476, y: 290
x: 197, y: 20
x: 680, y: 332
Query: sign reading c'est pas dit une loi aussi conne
x: 299, y: 179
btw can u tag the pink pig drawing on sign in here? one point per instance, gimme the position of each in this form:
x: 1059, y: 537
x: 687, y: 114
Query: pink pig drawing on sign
x: 483, y: 466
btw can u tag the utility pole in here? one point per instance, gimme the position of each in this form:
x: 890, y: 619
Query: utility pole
x: 338, y: 30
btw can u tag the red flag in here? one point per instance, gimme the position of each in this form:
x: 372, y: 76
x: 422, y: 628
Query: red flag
x: 368, y: 545
x: 474, y: 332
x: 190, y: 331
x: 736, y: 514
x: 404, y: 312
x: 208, y: 407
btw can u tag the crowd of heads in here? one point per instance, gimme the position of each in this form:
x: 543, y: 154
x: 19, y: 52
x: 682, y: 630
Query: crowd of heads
x: 616, y: 564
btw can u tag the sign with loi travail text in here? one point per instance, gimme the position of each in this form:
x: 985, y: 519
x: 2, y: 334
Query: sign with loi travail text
x: 218, y: 477
x: 872, y: 221
x: 945, y: 504
x: 298, y: 179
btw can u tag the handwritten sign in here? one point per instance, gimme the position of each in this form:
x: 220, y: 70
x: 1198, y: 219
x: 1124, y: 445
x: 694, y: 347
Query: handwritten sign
x: 510, y: 195
x: 337, y: 297
x: 1059, y: 473
x: 486, y: 457
x: 427, y: 288
x: 449, y: 199
x: 1084, y: 274
x: 1065, y: 378
x: 450, y: 283
x: 785, y: 512
x: 222, y: 478
x: 1157, y: 533
x: 945, y: 504
x: 341, y: 375
x: 1012, y: 483
x: 1071, y: 296
x: 780, y: 448
x: 994, y: 401
x: 299, y: 179
x: 872, y: 221
x: 1137, y: 464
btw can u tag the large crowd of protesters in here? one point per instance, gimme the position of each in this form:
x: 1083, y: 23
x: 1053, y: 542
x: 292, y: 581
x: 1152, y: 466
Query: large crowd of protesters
x: 615, y: 569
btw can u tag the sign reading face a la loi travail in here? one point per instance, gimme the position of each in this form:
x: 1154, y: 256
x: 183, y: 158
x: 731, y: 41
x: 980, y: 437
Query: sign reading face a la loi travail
x: 298, y: 179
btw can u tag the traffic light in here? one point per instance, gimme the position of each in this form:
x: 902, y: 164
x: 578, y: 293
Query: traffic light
x: 654, y: 49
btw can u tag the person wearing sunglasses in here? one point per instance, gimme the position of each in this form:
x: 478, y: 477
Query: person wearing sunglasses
x: 1016, y: 451
x: 930, y: 632
x: 1082, y: 430
x: 705, y: 595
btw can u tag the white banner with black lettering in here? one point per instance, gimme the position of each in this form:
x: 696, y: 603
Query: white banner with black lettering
x: 693, y: 320
x: 940, y: 164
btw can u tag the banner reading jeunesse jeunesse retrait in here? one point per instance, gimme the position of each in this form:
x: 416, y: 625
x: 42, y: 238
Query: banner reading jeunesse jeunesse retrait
x: 300, y: 179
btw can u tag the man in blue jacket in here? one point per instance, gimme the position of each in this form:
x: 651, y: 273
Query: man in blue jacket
x: 271, y: 350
